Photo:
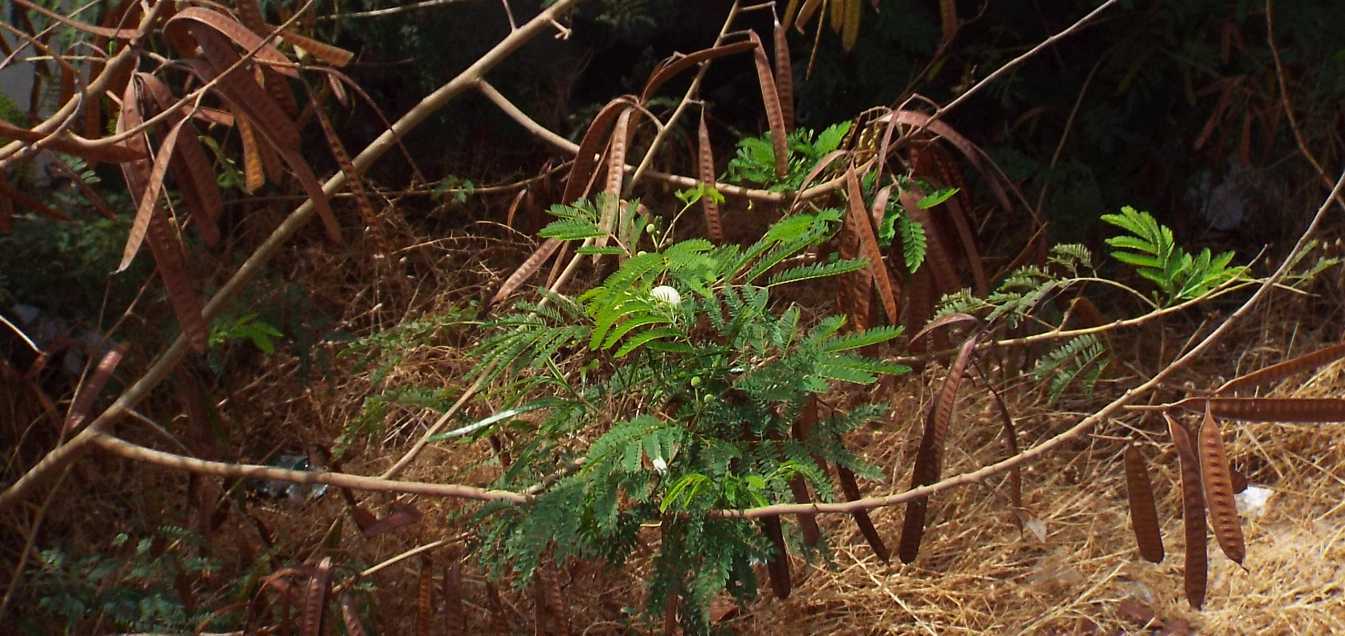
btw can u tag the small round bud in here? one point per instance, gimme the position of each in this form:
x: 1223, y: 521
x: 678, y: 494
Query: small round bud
x: 695, y: 380
x: 666, y: 294
x: 650, y: 229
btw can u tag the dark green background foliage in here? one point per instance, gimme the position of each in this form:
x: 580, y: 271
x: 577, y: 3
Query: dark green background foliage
x: 1152, y: 93
x: 81, y: 256
x: 136, y: 583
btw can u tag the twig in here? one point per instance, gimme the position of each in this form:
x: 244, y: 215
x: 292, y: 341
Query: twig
x: 1284, y: 99
x: 19, y: 332
x: 36, y: 41
x: 378, y: 13
x: 545, y: 134
x: 370, y: 571
x: 1015, y: 62
x: 159, y: 430
x: 410, y: 455
x: 1064, y: 136
x: 550, y: 480
x: 1065, y: 334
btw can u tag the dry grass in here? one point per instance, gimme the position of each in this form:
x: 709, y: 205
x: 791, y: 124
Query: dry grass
x: 978, y: 574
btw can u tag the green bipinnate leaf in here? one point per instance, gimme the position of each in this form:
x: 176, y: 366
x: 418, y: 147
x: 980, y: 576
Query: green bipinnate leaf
x: 913, y: 243
x: 1151, y: 249
x: 936, y: 198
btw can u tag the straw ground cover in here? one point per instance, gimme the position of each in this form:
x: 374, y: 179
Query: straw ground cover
x: 1086, y: 576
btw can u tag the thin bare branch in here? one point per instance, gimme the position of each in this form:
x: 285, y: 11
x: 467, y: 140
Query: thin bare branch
x: 691, y: 92
x: 136, y: 452
x: 1288, y: 106
x: 378, y: 13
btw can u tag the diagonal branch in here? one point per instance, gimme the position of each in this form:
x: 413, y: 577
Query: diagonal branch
x: 168, y: 360
x: 1078, y: 430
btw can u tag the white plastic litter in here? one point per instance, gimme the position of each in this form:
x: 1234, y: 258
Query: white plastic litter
x: 1037, y: 527
x: 1252, y: 501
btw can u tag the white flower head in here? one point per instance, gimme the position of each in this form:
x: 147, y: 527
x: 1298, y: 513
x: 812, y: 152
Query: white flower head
x: 666, y: 294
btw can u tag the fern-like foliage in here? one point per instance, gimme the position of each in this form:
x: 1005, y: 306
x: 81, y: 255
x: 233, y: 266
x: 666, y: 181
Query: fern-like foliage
x: 163, y: 581
x: 1025, y: 290
x: 896, y: 223
x: 754, y: 161
x: 1152, y: 250
x: 1076, y: 364
x: 671, y: 389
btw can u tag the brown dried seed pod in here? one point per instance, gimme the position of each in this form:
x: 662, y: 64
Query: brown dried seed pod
x: 455, y: 618
x: 315, y: 598
x: 929, y: 458
x: 778, y: 566
x: 1143, y: 512
x: 851, y: 489
x: 861, y: 225
x: 784, y: 75
x: 89, y: 390
x: 526, y: 270
x: 1298, y: 410
x: 1279, y: 371
x: 425, y: 597
x: 770, y: 98
x: 706, y: 166
x: 1219, y: 491
x: 1196, y: 572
